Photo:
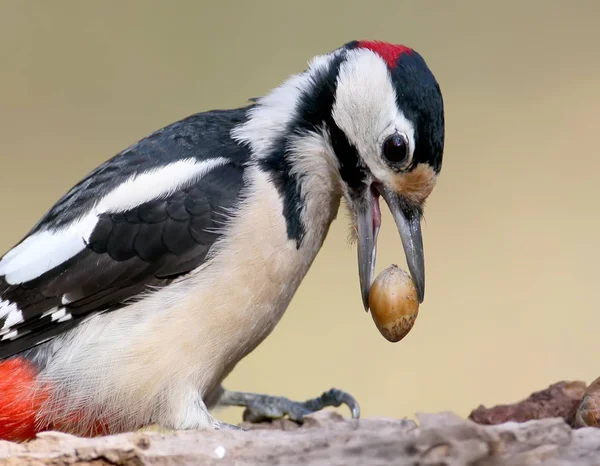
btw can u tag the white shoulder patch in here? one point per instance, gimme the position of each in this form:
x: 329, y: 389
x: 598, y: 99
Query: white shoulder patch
x: 155, y: 184
x: 47, y: 249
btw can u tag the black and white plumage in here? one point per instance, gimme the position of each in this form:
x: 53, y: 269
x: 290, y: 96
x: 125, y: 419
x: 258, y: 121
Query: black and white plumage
x: 140, y: 290
x: 140, y: 220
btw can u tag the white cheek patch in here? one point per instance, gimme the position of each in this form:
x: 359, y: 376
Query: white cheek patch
x: 365, y: 104
x: 46, y: 250
x: 365, y: 108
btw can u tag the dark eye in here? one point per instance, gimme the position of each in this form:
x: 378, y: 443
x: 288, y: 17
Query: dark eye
x: 395, y: 149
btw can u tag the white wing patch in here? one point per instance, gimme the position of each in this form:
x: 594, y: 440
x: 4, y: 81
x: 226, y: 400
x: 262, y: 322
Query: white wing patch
x: 155, y: 184
x: 14, y: 318
x: 47, y: 249
x: 6, y: 307
x: 10, y: 336
x: 12, y: 315
x: 64, y: 318
x: 59, y: 315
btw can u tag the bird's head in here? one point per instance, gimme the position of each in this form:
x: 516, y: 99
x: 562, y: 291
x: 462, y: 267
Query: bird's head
x: 387, y: 131
x: 378, y: 109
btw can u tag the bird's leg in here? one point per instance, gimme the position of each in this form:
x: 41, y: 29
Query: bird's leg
x: 187, y: 410
x: 220, y: 425
x: 265, y: 407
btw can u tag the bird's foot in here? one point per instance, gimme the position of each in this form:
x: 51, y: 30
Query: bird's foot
x: 219, y: 425
x: 261, y: 408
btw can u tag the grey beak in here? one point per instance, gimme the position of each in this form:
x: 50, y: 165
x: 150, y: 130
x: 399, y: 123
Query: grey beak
x: 408, y: 222
x: 367, y: 245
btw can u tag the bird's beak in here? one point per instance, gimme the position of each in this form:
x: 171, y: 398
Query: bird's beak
x: 408, y: 222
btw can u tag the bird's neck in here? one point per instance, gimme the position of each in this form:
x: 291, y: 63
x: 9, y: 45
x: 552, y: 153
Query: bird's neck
x: 315, y: 168
x: 305, y: 172
x: 286, y: 134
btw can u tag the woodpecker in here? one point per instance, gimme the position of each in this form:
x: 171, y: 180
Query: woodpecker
x: 138, y: 292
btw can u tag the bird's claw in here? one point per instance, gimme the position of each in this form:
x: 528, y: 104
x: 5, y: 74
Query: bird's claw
x: 269, y: 408
x: 219, y: 425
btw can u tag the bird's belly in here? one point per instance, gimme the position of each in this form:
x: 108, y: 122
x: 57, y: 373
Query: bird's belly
x: 233, y: 304
x: 245, y: 308
x: 189, y: 335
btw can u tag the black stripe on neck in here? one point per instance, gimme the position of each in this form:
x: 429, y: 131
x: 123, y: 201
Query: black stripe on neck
x: 313, y: 110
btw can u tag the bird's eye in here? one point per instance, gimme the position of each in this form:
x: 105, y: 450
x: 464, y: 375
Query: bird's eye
x: 395, y: 149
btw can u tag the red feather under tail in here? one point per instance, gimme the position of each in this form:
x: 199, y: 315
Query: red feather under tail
x: 20, y: 400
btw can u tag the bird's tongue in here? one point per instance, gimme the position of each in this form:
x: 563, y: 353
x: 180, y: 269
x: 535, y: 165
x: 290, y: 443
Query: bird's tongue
x: 376, y: 212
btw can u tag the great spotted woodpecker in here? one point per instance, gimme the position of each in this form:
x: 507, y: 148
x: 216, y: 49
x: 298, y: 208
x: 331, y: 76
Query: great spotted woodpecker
x: 140, y: 290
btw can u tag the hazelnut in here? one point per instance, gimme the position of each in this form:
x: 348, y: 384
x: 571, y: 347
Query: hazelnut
x: 394, y: 303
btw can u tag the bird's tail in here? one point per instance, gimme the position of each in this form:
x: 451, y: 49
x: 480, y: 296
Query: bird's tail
x: 21, y: 399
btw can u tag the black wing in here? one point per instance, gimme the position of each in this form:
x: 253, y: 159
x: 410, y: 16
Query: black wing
x: 129, y: 252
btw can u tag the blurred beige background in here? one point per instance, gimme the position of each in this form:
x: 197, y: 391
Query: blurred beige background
x: 511, y: 232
